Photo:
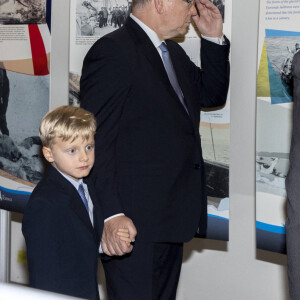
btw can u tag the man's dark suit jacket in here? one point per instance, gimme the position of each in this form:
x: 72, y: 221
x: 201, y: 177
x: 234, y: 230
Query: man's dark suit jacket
x: 293, y: 191
x: 149, y: 162
x: 62, y: 245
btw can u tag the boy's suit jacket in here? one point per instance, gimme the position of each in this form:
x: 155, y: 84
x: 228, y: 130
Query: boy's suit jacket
x: 62, y: 245
x: 149, y: 161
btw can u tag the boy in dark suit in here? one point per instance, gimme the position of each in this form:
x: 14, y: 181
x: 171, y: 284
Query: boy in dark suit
x: 63, y: 224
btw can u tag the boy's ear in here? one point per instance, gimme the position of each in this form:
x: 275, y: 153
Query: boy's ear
x: 48, y: 154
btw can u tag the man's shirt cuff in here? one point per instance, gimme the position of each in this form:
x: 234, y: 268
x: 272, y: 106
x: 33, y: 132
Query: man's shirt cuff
x: 117, y: 215
x: 216, y: 40
x: 121, y: 214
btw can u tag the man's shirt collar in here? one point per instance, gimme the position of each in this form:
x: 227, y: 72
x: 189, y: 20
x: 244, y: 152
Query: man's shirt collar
x: 151, y: 33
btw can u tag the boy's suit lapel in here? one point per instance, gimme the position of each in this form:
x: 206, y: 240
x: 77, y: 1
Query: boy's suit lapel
x: 79, y: 208
x: 98, y: 219
x: 75, y: 201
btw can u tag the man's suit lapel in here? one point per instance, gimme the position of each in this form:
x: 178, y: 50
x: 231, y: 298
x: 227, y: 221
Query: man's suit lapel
x: 146, y: 48
x: 75, y: 201
x: 185, y: 90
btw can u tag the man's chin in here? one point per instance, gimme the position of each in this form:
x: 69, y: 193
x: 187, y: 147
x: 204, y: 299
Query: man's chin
x: 183, y: 31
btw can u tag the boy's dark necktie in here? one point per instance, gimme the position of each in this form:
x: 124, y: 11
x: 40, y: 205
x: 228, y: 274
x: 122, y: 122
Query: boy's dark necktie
x: 82, y: 195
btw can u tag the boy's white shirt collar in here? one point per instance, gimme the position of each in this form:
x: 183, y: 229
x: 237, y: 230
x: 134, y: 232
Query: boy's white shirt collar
x: 74, y: 182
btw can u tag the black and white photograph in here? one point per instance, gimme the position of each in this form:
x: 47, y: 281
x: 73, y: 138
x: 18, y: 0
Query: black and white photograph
x: 272, y: 165
x: 220, y: 4
x: 281, y: 51
x: 99, y: 17
x: 215, y: 146
x: 24, y: 102
x: 74, y: 80
x: 22, y: 12
x: 272, y: 158
x: 271, y: 171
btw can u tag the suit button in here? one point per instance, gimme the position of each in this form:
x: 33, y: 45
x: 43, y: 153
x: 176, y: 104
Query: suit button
x: 196, y: 166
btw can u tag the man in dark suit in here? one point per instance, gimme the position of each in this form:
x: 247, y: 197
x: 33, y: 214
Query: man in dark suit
x: 293, y: 191
x: 146, y: 95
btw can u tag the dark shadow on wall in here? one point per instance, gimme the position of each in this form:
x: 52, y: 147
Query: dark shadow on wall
x: 199, y: 245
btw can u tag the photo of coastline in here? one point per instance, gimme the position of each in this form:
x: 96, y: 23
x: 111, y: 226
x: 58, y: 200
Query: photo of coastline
x: 20, y: 150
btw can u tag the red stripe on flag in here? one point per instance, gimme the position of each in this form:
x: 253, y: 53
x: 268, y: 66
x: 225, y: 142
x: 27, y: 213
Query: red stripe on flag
x: 39, y: 56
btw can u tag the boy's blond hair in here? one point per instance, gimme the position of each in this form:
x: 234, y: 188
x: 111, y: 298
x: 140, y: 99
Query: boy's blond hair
x: 66, y: 122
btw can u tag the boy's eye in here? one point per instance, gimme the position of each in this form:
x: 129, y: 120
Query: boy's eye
x: 71, y: 151
x: 89, y: 147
